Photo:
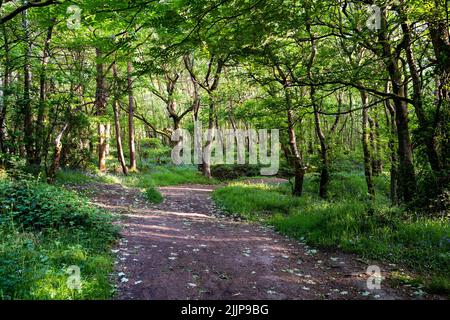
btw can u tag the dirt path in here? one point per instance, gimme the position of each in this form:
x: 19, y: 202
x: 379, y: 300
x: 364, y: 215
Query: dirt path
x: 184, y: 249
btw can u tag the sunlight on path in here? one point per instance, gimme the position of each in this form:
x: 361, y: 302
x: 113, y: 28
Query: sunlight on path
x: 185, y: 248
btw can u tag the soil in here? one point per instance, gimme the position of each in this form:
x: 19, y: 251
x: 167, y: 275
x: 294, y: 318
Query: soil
x: 186, y: 249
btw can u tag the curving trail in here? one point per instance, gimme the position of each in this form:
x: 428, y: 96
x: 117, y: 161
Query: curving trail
x: 184, y: 249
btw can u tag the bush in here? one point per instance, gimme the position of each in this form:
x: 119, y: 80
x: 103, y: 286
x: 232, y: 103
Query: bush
x: 153, y: 150
x: 433, y: 194
x: 39, y: 206
x: 153, y: 195
x: 43, y: 231
x: 231, y: 172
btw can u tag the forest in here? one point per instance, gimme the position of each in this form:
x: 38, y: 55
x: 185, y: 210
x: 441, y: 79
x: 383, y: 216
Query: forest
x: 96, y: 97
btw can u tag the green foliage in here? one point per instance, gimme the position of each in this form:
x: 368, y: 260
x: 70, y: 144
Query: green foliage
x: 253, y: 200
x: 167, y: 176
x: 170, y: 176
x: 39, y: 207
x: 73, y: 177
x: 153, y: 151
x: 431, y: 198
x: 77, y: 177
x: 230, y: 172
x: 43, y: 231
x: 153, y: 195
x: 34, y: 266
x: 349, y: 222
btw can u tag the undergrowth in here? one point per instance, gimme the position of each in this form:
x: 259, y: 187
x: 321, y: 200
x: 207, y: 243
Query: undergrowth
x: 44, y: 230
x: 349, y: 221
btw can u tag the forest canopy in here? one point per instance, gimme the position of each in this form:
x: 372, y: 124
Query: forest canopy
x: 98, y: 99
x: 361, y: 80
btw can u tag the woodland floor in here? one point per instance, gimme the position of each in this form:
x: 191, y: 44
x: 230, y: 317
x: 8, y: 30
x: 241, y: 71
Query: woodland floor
x: 185, y: 248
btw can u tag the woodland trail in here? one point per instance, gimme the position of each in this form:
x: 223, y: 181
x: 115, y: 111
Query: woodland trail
x: 185, y: 249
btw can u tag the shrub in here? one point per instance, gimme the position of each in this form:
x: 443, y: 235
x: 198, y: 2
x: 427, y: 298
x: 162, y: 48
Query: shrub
x: 230, y: 172
x: 43, y: 231
x: 39, y: 206
x: 154, y: 150
x: 153, y: 195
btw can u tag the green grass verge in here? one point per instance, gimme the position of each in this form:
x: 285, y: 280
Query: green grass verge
x: 156, y: 176
x: 347, y: 221
x: 44, y: 230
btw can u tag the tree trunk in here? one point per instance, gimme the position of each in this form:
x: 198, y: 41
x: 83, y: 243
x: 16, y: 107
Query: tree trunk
x: 365, y: 143
x: 390, y: 122
x: 120, y: 155
x: 407, y: 176
x: 51, y: 175
x: 26, y: 103
x: 206, y: 168
x: 427, y: 133
x: 40, y: 135
x: 297, y: 160
x: 324, y: 171
x: 108, y: 138
x: 374, y: 146
x: 440, y: 39
x: 100, y: 103
x: 189, y: 64
x: 131, y: 134
x: 5, y: 95
x: 352, y: 124
x: 3, y: 107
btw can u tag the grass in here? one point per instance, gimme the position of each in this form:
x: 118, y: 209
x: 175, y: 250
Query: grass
x: 34, y: 266
x: 162, y: 176
x: 67, y: 177
x: 44, y: 230
x: 155, y: 176
x: 255, y: 201
x: 349, y: 222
